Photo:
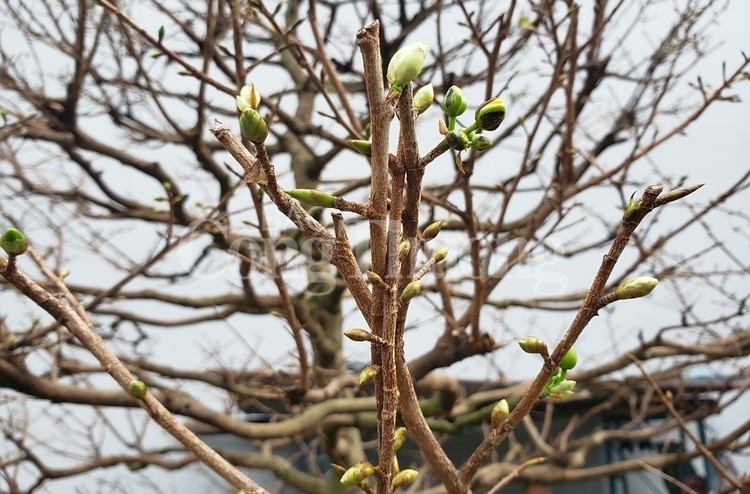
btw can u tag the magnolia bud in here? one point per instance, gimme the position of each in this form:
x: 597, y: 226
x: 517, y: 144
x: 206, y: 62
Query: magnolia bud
x: 367, y: 374
x: 14, y: 242
x: 431, y: 231
x: 137, y: 388
x: 454, y: 103
x: 411, y: 290
x: 569, y: 360
x: 406, y: 64
x: 399, y: 438
x: 249, y: 97
x: 499, y: 413
x: 358, y: 334
x: 313, y: 197
x: 480, y: 143
x: 635, y: 287
x: 490, y: 114
x: 252, y: 126
x: 440, y: 254
x: 375, y: 280
x: 361, y: 146
x: 357, y: 473
x: 403, y: 249
x: 404, y: 477
x: 532, y: 344
x: 423, y: 98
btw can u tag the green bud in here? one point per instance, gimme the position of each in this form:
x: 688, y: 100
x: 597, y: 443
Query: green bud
x: 138, y: 388
x: 63, y: 273
x: 569, y: 360
x: 363, y: 147
x: 404, y: 477
x: 358, y: 334
x: 252, y: 126
x: 406, y: 64
x: 423, y: 98
x: 635, y: 287
x: 249, y: 97
x: 161, y: 34
x: 457, y: 140
x: 432, y: 230
x: 403, y: 249
x: 499, y: 413
x: 411, y: 290
x: 561, y: 390
x: 14, y: 242
x: 440, y: 254
x: 480, y: 143
x: 454, y: 103
x: 399, y: 438
x: 312, y: 197
x: 367, y: 374
x: 357, y: 473
x: 375, y: 280
x: 532, y: 344
x: 490, y: 114
x: 631, y: 207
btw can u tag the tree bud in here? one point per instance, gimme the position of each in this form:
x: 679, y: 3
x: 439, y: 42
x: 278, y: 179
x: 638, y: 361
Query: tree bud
x: 561, y: 390
x: 411, y: 290
x: 399, y: 438
x: 569, y: 360
x: 480, y: 143
x: 359, y: 334
x: 138, y: 388
x: 499, y: 413
x: 357, y: 473
x: 454, y: 103
x: 432, y: 230
x: 403, y: 249
x: 635, y: 287
x: 252, y: 126
x: 406, y: 64
x: 361, y: 146
x: 404, y: 477
x: 249, y: 97
x: 490, y: 114
x: 367, y: 374
x: 440, y: 254
x: 457, y: 140
x: 532, y: 344
x: 423, y: 98
x: 375, y: 280
x: 312, y: 197
x: 14, y: 242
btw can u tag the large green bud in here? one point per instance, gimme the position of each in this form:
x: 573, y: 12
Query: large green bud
x: 490, y: 114
x: 252, y: 126
x: 14, y: 242
x: 312, y: 197
x: 635, y: 287
x: 423, y: 98
x: 406, y: 64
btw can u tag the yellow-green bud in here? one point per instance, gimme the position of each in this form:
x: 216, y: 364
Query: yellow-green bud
x: 252, y: 126
x: 375, y: 280
x: 138, y: 388
x: 403, y: 249
x: 359, y: 334
x: 631, y: 207
x: 411, y: 290
x: 490, y: 114
x: 432, y: 230
x: 440, y: 254
x: 635, y: 287
x: 569, y: 360
x: 399, y: 438
x: 454, y: 103
x: 423, y: 98
x: 457, y: 140
x: 367, y: 374
x: 357, y: 473
x: 404, y: 477
x: 532, y: 344
x: 480, y: 143
x: 249, y: 97
x: 361, y: 146
x: 499, y: 413
x: 14, y: 242
x: 312, y: 197
x: 562, y: 390
x: 406, y: 64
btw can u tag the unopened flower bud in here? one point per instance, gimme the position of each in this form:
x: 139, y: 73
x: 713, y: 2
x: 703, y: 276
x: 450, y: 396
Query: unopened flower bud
x: 432, y: 230
x: 480, y: 143
x: 357, y: 473
x: 399, y: 438
x: 423, y: 98
x: 406, y: 64
x: 404, y: 477
x: 375, y: 280
x: 359, y: 334
x: 490, y: 114
x: 569, y: 360
x: 403, y: 249
x: 362, y: 146
x: 562, y: 390
x: 312, y: 197
x: 411, y: 290
x: 137, y: 388
x: 252, y: 126
x: 440, y: 254
x: 14, y: 242
x: 457, y: 140
x: 635, y: 287
x: 499, y: 413
x: 367, y: 374
x: 454, y: 103
x: 532, y: 344
x: 249, y: 97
